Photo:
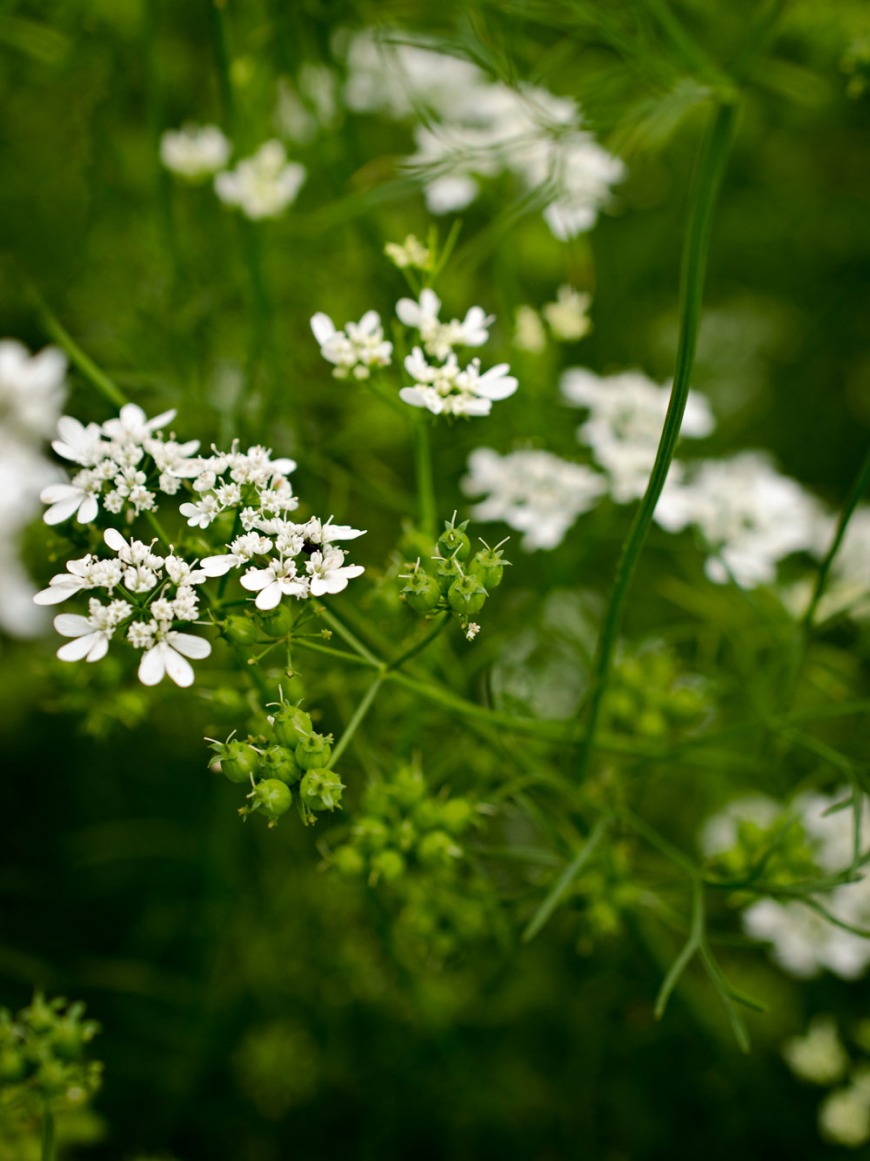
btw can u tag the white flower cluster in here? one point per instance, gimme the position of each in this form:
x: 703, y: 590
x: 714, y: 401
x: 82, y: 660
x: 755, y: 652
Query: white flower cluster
x: 162, y: 593
x: 626, y: 417
x: 749, y: 515
x: 441, y: 384
x: 533, y: 491
x: 32, y: 392
x: 804, y: 942
x: 471, y: 128
x: 356, y: 349
x: 261, y: 186
x: 295, y: 560
x: 444, y: 387
x: 124, y: 463
x: 249, y: 489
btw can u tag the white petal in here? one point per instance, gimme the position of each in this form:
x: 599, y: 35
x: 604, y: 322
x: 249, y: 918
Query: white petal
x: 178, y: 669
x: 409, y: 312
x: 256, y: 579
x: 62, y: 510
x: 99, y: 648
x: 190, y: 646
x: 270, y: 597
x: 322, y: 327
x: 55, y: 593
x: 76, y: 650
x: 72, y: 625
x: 88, y: 510
x: 114, y: 539
x: 414, y: 396
x: 55, y: 493
x: 217, y: 565
x: 152, y: 667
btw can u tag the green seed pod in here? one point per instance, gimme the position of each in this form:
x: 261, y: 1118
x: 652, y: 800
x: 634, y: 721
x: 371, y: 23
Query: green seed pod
x: 422, y: 592
x: 387, y: 865
x: 457, y: 815
x: 238, y: 760
x: 290, y: 724
x: 348, y: 861
x: 437, y: 849
x: 240, y: 630
x: 273, y: 797
x: 407, y: 835
x: 371, y: 834
x: 13, y: 1066
x: 488, y: 566
x: 446, y: 572
x: 277, y: 622
x: 313, y: 750
x: 467, y: 595
x: 279, y: 762
x: 67, y: 1039
x: 408, y: 786
x: 321, y: 789
x: 427, y: 814
x: 454, y: 542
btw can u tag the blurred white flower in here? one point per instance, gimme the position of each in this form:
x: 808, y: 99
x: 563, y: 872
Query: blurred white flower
x: 471, y: 128
x: 194, y: 152
x: 32, y: 391
x: 626, y: 417
x: 264, y: 185
x: 567, y: 317
x: 449, y: 389
x: 529, y: 333
x: 356, y: 349
x: 818, y: 1056
x: 533, y: 491
x: 748, y: 514
x: 440, y: 338
x: 844, y: 1115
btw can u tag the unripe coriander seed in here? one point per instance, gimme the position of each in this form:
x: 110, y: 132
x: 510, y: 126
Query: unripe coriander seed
x: 290, y: 723
x: 454, y: 542
x: 273, y: 797
x: 313, y: 750
x: 467, y: 595
x: 422, y: 592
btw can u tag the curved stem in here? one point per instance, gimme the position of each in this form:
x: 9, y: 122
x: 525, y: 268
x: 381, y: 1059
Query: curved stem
x: 77, y: 356
x: 708, y: 179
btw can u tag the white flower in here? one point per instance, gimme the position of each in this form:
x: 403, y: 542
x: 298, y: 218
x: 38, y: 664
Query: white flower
x: 410, y: 253
x: 819, y: 1055
x: 91, y: 634
x: 844, y: 1115
x: 329, y: 573
x: 132, y: 426
x: 75, y: 499
x: 357, y: 348
x: 277, y: 580
x: 533, y: 491
x: 567, y: 316
x: 168, y: 655
x: 749, y: 515
x: 627, y: 415
x: 80, y: 444
x: 79, y: 576
x: 529, y: 333
x: 201, y: 514
x: 32, y: 389
x: 262, y: 186
x: 194, y: 152
x: 448, y: 389
x: 439, y: 338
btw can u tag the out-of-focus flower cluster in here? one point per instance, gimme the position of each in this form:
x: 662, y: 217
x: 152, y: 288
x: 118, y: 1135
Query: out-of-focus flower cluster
x: 818, y: 837
x: 820, y: 1057
x: 470, y: 129
x: 42, y: 1061
x: 32, y: 393
x: 261, y: 186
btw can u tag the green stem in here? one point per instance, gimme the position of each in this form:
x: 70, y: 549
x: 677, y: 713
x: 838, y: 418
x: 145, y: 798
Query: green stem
x: 47, y: 1132
x: 361, y: 710
x: 421, y: 644
x: 222, y: 56
x: 708, y: 179
x: 77, y: 356
x: 340, y: 628
x: 569, y: 874
x: 859, y: 487
x: 425, y: 480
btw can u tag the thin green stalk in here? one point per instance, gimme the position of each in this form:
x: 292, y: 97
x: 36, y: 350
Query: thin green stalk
x: 349, y: 639
x: 425, y: 479
x: 708, y: 179
x: 353, y: 725
x: 77, y: 356
x: 859, y: 487
x: 47, y: 1132
x: 569, y: 874
x: 222, y: 56
x: 421, y: 644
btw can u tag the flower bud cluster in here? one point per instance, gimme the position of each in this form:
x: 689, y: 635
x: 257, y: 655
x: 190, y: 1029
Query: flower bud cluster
x: 42, y: 1057
x: 649, y: 697
x: 294, y: 755
x: 452, y: 579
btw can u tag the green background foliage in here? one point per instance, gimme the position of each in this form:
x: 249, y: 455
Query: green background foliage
x: 254, y: 1007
